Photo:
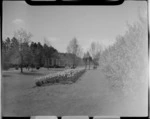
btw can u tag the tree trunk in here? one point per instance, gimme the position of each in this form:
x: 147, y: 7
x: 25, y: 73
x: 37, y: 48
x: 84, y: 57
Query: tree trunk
x: 74, y: 60
x: 89, y: 64
x: 21, y: 67
x: 85, y: 65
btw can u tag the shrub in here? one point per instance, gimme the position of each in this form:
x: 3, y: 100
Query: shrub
x: 69, y: 75
x: 125, y: 62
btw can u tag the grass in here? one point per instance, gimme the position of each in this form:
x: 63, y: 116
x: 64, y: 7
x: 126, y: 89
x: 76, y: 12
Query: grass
x: 89, y: 96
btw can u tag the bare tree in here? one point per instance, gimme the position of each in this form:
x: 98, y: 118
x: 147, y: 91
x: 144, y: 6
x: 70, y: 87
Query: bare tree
x: 74, y: 49
x: 47, y: 42
x: 80, y: 52
x: 95, y: 51
x: 87, y: 59
x: 23, y: 38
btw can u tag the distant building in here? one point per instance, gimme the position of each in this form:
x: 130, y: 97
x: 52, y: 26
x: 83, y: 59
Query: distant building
x: 61, y: 59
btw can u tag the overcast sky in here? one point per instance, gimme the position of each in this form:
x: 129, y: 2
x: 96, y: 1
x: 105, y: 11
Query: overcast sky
x: 60, y: 24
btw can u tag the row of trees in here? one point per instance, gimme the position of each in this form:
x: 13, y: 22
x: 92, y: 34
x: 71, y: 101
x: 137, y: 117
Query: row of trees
x: 91, y: 56
x: 22, y: 52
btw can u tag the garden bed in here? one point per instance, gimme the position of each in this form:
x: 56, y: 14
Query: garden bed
x: 64, y: 77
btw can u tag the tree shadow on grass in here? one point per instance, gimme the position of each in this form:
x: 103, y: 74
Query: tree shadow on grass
x: 5, y: 75
x: 58, y: 83
x: 31, y: 74
x: 63, y: 82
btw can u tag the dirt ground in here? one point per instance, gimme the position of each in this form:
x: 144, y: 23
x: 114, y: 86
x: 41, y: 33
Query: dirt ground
x: 91, y: 95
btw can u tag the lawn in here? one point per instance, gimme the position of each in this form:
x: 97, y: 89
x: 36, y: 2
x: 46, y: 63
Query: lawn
x: 16, y: 84
x: 90, y: 95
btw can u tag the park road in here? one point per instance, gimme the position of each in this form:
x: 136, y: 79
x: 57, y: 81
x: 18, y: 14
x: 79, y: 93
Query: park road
x: 90, y: 95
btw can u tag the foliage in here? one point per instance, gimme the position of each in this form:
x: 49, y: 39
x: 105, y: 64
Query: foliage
x: 23, y: 50
x: 5, y: 54
x: 19, y: 52
x: 74, y: 49
x: 125, y: 62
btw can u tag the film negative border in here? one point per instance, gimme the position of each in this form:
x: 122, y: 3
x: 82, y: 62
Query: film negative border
x: 75, y: 2
x: 75, y: 116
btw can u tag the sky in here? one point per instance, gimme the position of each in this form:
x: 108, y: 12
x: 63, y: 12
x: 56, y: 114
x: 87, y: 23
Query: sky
x: 60, y: 24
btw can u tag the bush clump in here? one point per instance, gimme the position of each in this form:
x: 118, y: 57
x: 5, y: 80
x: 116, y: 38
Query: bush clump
x: 125, y: 62
x: 69, y: 75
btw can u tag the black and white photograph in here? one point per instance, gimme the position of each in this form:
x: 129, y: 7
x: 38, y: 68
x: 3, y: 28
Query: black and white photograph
x: 70, y: 60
